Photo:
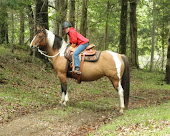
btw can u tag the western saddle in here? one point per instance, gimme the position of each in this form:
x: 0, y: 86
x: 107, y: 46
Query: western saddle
x: 69, y: 55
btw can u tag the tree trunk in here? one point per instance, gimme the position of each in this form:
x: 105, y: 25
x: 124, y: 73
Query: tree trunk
x: 163, y: 44
x: 42, y: 13
x: 3, y: 24
x: 21, y: 38
x: 153, y: 38
x: 123, y: 26
x: 167, y: 76
x: 83, y: 26
x: 31, y: 21
x: 77, y: 14
x: 106, y: 25
x: 133, y: 34
x: 41, y: 19
x: 72, y: 13
x: 63, y: 12
x: 56, y: 20
x: 163, y: 40
x: 12, y: 32
x: 31, y: 27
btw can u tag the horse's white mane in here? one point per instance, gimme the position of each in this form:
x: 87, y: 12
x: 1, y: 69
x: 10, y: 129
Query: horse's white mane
x: 50, y: 37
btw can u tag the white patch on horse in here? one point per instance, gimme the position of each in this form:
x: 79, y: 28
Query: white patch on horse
x: 50, y: 37
x: 120, y: 92
x: 64, y: 98
x: 120, y: 89
x: 63, y: 48
x: 117, y: 63
x: 33, y: 40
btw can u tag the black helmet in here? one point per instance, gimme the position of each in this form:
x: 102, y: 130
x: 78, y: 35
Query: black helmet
x: 66, y: 24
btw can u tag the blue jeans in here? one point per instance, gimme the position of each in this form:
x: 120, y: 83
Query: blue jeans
x: 79, y: 49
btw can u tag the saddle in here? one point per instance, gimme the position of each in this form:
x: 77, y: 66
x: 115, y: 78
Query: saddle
x: 89, y: 54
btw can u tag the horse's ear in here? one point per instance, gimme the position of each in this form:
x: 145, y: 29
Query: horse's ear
x: 38, y: 28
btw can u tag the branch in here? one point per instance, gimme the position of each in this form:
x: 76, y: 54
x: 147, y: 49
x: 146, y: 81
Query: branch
x: 53, y: 7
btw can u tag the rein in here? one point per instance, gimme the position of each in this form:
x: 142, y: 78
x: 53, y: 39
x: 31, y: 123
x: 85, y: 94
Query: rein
x: 41, y: 52
x: 46, y: 42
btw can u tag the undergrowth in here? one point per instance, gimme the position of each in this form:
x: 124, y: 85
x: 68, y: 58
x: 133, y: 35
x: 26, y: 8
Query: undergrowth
x: 153, y: 120
x: 28, y: 87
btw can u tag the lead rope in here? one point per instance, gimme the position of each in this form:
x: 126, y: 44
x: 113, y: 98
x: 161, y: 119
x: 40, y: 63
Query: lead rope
x: 41, y: 52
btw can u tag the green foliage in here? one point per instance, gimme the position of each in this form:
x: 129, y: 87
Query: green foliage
x: 153, y: 120
x: 27, y: 87
x: 13, y: 4
x: 145, y: 25
x: 97, y: 17
x: 97, y: 21
x: 148, y: 80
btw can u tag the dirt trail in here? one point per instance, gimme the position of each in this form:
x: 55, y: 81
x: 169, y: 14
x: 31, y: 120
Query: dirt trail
x: 45, y: 124
x: 77, y: 123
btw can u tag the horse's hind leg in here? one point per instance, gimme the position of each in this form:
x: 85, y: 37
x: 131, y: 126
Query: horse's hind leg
x: 121, y: 95
x: 117, y: 85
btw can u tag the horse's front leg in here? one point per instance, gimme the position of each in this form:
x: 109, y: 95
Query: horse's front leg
x: 64, y: 96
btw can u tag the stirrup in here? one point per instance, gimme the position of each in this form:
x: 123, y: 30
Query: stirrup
x: 77, y: 72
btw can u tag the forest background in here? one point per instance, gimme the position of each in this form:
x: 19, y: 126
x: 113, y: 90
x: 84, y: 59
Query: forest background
x: 30, y: 92
x: 137, y: 28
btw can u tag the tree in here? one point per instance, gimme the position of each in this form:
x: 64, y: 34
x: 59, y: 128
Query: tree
x: 123, y: 26
x: 3, y: 23
x: 106, y: 25
x: 153, y: 37
x: 63, y: 12
x: 72, y: 12
x: 133, y: 34
x: 21, y: 37
x: 83, y: 26
x: 42, y: 13
x: 12, y: 32
x: 55, y: 23
x: 31, y: 21
x: 167, y: 75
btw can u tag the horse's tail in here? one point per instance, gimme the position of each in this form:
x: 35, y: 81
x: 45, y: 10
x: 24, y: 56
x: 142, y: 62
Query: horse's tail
x: 126, y: 81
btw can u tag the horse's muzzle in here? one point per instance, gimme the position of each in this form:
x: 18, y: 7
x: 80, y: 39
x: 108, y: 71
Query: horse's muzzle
x: 33, y: 47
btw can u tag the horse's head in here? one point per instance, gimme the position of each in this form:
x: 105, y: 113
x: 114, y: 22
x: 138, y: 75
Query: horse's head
x: 40, y: 39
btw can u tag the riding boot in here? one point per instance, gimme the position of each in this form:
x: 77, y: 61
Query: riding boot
x: 77, y: 71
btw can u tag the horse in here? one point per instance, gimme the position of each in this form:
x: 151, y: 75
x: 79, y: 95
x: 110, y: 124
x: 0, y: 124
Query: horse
x: 113, y: 65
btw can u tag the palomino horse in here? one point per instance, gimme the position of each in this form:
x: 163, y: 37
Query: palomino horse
x: 113, y: 65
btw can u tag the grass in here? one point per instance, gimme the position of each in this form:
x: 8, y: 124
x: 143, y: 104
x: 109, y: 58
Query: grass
x: 148, y: 80
x: 153, y: 120
x: 27, y: 87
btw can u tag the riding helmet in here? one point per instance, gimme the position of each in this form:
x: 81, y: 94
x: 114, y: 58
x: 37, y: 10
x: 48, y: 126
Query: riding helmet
x: 66, y: 24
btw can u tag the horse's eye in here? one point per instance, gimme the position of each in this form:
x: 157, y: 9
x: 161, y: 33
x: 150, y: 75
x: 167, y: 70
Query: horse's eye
x: 40, y: 36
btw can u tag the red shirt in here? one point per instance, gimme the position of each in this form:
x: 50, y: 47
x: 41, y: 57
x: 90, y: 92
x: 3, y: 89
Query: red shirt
x: 76, y: 38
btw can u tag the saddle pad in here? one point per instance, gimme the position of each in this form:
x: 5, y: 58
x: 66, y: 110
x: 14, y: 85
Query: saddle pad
x: 93, y: 58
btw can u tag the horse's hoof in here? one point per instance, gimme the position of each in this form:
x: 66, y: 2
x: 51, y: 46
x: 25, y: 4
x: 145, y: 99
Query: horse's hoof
x: 64, y: 103
x: 121, y: 111
x: 61, y: 104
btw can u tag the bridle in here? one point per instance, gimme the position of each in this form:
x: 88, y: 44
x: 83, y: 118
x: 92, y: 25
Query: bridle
x: 39, y: 50
x: 41, y: 40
